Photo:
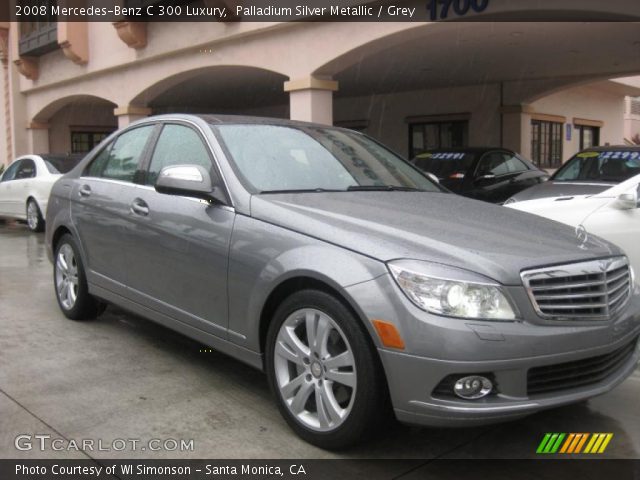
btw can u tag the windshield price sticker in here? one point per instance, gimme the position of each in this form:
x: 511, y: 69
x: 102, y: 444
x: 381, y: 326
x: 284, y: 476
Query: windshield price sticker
x: 625, y: 155
x: 448, y: 156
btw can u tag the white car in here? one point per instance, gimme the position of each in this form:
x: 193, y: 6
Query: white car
x: 25, y: 186
x: 613, y: 214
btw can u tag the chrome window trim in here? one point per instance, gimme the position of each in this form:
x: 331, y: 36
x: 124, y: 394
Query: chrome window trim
x: 600, y: 266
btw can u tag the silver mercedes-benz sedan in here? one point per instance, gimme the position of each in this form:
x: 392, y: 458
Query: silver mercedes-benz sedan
x: 354, y: 280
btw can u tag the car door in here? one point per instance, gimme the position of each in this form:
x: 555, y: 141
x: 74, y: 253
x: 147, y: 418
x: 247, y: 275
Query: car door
x: 621, y: 227
x: 17, y: 200
x: 180, y: 243
x: 6, y: 188
x: 100, y: 207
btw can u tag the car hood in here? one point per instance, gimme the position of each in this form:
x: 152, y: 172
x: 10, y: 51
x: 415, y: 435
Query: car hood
x: 437, y: 227
x: 561, y: 189
x: 569, y: 210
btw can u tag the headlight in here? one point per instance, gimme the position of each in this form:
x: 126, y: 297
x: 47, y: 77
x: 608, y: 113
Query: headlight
x: 452, y: 297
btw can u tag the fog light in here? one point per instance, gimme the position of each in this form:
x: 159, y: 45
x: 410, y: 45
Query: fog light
x: 473, y: 387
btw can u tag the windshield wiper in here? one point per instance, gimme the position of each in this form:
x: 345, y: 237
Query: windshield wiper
x: 300, y: 190
x: 382, y: 188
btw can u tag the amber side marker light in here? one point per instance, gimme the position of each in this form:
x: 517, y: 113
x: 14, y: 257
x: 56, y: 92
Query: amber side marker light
x: 389, y: 334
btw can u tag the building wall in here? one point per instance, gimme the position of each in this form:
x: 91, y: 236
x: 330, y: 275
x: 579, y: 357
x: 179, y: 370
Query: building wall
x: 387, y: 115
x: 587, y: 103
x: 78, y: 117
x: 632, y: 118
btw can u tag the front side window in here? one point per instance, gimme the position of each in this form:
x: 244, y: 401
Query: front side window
x: 27, y: 169
x: 445, y: 165
x: 500, y: 163
x: 177, y: 145
x: 276, y: 158
x: 119, y: 160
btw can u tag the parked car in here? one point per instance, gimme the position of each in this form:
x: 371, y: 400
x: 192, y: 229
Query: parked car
x: 489, y: 174
x: 317, y: 255
x: 26, y: 183
x: 613, y: 215
x: 589, y: 172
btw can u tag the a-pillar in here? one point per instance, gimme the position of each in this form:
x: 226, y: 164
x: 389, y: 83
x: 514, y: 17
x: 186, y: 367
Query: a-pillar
x: 516, y: 128
x: 38, y: 137
x: 311, y: 99
x: 130, y: 113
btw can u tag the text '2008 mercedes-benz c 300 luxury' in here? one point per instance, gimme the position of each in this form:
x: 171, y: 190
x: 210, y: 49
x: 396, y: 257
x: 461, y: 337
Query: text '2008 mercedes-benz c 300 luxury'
x: 351, y: 278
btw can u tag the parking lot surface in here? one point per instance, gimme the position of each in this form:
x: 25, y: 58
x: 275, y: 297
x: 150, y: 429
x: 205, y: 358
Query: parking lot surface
x: 123, y: 377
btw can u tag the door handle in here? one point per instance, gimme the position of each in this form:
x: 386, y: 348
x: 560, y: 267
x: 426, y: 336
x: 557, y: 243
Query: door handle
x: 140, y: 207
x: 85, y: 191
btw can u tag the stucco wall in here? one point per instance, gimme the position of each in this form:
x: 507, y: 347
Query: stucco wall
x: 79, y: 116
x: 587, y: 103
x: 387, y: 114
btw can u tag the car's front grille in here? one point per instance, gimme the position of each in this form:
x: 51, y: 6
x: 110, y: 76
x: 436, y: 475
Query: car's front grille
x: 579, y: 373
x: 592, y: 290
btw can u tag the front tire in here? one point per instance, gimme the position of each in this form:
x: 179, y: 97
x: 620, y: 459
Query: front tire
x: 34, y: 217
x: 323, y: 371
x: 70, y: 282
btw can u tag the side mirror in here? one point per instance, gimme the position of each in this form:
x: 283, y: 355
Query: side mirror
x: 484, y: 178
x: 626, y: 201
x: 188, y: 181
x: 432, y: 177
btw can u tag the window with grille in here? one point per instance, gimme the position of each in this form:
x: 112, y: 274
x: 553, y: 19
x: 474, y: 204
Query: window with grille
x: 82, y: 142
x: 546, y: 143
x: 435, y: 135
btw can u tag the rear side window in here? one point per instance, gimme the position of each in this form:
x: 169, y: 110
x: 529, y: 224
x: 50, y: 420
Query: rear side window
x: 177, y: 145
x: 119, y: 160
x: 27, y: 169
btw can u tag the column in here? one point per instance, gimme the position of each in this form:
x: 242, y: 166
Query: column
x: 130, y: 113
x: 38, y: 137
x: 311, y: 99
x: 516, y: 128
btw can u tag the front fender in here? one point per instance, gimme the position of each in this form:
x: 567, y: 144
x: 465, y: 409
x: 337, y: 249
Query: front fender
x: 264, y: 256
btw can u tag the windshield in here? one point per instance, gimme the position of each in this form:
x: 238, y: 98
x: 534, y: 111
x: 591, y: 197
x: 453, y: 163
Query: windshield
x: 445, y: 164
x: 608, y: 166
x: 275, y: 158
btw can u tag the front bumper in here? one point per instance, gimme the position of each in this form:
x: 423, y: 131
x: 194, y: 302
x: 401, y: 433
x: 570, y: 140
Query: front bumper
x: 412, y: 380
x: 437, y: 347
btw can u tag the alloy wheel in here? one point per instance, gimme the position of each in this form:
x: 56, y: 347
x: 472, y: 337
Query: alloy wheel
x: 66, y: 277
x: 315, y: 369
x: 32, y: 215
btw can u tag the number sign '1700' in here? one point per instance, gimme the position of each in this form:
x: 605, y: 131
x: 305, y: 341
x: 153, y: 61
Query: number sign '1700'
x: 443, y: 9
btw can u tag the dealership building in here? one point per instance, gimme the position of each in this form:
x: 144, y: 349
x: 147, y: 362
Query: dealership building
x: 545, y: 89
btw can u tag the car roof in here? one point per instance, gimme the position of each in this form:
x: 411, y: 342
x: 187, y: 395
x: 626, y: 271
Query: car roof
x: 214, y: 119
x: 613, y: 148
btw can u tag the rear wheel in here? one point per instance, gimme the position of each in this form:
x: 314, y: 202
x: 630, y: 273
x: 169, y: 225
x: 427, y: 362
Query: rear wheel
x: 323, y: 370
x: 34, y: 217
x: 70, y: 282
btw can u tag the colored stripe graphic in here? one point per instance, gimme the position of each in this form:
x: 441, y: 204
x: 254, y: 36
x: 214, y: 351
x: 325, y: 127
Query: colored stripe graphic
x: 573, y: 443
